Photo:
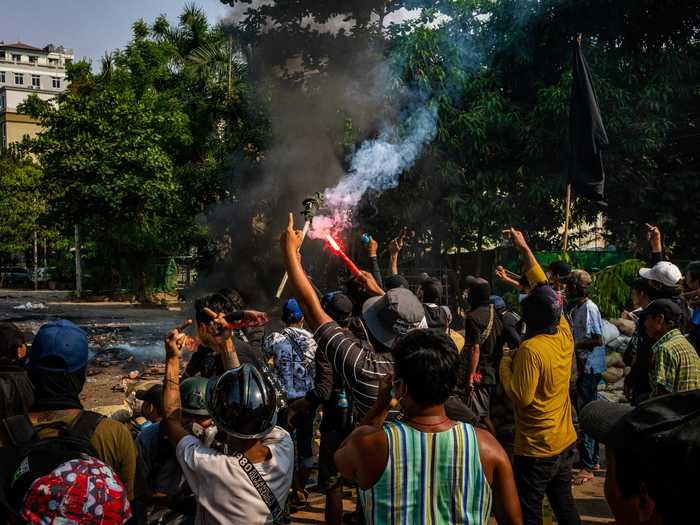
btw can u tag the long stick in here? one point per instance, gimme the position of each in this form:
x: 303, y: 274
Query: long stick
x: 283, y: 283
x: 567, y: 219
x: 78, y: 265
x: 36, y: 261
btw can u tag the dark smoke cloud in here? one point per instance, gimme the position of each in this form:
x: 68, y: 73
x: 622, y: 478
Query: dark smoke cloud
x: 317, y: 75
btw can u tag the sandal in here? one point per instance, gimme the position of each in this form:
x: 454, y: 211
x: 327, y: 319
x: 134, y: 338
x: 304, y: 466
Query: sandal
x: 298, y: 502
x: 582, y: 477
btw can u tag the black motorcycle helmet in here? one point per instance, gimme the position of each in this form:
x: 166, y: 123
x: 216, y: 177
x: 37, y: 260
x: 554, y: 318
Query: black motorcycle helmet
x: 243, y: 402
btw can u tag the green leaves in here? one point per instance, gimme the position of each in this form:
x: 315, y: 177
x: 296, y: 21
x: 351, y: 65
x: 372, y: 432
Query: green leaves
x: 22, y: 202
x: 611, y: 287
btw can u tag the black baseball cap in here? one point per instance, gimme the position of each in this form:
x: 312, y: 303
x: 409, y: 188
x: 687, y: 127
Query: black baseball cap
x: 669, y: 309
x: 541, y: 310
x: 337, y: 305
x: 395, y: 281
x: 393, y: 315
x: 663, y: 433
x: 152, y: 395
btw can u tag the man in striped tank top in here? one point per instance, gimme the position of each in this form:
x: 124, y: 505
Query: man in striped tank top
x: 426, y: 468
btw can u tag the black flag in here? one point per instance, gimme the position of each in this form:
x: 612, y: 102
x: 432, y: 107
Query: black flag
x: 586, y: 134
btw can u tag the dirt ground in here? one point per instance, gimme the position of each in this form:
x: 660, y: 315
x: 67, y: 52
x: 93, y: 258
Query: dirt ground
x: 589, y: 501
x: 126, y: 338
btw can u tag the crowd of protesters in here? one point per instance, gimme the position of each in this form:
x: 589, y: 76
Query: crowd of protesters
x: 414, y: 400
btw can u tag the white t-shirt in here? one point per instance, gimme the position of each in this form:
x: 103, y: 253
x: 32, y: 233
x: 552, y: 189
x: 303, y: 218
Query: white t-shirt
x: 225, y: 494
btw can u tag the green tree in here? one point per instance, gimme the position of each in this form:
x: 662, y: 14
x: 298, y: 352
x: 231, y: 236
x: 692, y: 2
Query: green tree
x: 22, y: 202
x: 106, y: 155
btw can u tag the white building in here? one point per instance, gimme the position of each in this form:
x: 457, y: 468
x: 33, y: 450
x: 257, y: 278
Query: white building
x: 26, y: 69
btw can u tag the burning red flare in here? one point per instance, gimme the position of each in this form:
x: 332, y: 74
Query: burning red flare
x: 333, y: 244
x: 335, y: 248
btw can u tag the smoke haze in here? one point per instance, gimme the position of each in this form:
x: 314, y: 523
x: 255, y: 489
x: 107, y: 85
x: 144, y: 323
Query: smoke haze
x: 324, y: 80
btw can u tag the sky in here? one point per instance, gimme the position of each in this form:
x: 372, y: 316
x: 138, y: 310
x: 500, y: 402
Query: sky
x: 89, y: 27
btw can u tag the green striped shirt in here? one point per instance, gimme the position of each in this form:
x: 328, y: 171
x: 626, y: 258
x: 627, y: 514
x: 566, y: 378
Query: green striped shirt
x: 429, y: 479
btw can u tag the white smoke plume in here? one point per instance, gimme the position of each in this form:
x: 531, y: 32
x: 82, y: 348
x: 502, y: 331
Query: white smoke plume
x: 376, y: 166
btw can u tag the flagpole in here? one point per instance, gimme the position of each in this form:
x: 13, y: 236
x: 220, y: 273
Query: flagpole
x: 567, y: 219
x: 567, y: 216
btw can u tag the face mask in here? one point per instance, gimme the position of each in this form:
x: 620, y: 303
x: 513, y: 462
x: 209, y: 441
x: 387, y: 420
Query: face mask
x: 205, y: 435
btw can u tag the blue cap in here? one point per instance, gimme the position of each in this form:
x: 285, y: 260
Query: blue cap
x: 291, y: 313
x: 62, y: 341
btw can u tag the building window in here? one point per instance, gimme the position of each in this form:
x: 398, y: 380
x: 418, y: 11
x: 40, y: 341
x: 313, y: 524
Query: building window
x: 36, y: 81
x: 56, y: 82
x: 53, y: 61
x: 19, y: 79
x: 32, y: 60
x: 2, y: 77
x: 2, y: 55
x: 2, y: 101
x: 17, y: 58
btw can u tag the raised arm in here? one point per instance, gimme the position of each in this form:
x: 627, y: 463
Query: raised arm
x: 172, y: 407
x: 394, y: 251
x: 372, y: 248
x: 531, y: 268
x: 655, y: 244
x: 290, y: 242
x: 219, y: 337
x: 502, y: 275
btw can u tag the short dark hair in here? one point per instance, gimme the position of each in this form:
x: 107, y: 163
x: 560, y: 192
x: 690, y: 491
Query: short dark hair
x: 560, y: 268
x: 672, y: 502
x: 432, y: 290
x: 11, y: 338
x: 640, y: 284
x: 426, y: 361
x: 216, y: 302
x: 694, y: 270
x: 396, y: 281
x: 234, y: 296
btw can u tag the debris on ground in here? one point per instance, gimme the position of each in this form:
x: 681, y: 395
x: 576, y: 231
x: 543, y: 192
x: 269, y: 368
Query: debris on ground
x: 30, y: 306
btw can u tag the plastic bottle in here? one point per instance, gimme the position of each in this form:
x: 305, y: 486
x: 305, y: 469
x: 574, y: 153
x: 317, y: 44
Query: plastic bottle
x: 343, y: 409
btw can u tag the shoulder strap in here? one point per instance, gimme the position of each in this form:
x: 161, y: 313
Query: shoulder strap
x: 19, y: 429
x: 295, y: 345
x: 85, y: 424
x: 262, y: 487
x: 489, y: 327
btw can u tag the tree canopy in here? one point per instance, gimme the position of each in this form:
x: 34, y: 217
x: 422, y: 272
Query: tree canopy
x: 194, y: 130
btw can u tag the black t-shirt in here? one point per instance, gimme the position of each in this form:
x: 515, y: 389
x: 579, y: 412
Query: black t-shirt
x: 208, y: 363
x: 16, y: 391
x: 490, y: 351
x: 511, y: 329
x: 638, y: 354
x: 437, y: 317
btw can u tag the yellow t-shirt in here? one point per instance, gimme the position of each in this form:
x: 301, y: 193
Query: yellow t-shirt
x: 537, y: 380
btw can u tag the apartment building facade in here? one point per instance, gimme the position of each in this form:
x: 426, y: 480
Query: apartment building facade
x: 25, y: 69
